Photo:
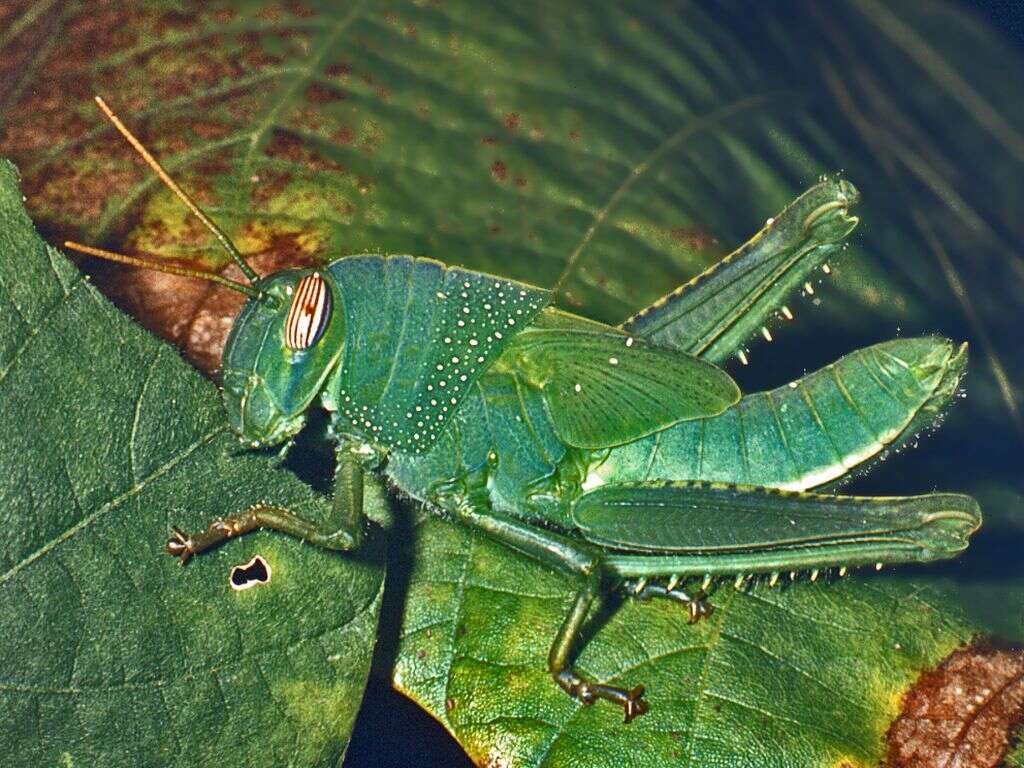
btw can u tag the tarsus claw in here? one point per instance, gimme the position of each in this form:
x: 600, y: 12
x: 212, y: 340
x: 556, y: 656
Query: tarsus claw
x: 587, y: 692
x: 180, y: 545
x: 698, y: 608
x: 634, y: 705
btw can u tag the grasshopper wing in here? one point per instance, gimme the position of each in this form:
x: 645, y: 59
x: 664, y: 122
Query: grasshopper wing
x: 801, y: 529
x: 605, y: 389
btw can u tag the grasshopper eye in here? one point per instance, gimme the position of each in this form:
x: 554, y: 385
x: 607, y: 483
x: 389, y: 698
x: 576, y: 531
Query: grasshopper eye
x: 308, y: 314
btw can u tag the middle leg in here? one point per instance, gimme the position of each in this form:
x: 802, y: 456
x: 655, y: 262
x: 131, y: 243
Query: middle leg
x: 581, y: 561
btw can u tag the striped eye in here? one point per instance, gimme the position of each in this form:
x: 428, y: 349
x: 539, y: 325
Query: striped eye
x: 308, y: 314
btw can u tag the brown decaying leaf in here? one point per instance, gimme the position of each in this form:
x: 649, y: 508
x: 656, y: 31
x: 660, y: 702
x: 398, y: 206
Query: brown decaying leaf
x: 79, y: 161
x: 196, y: 316
x: 56, y: 112
x: 961, y: 714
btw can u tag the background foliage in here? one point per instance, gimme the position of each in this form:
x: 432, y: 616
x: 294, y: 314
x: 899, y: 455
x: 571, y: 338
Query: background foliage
x: 610, y: 151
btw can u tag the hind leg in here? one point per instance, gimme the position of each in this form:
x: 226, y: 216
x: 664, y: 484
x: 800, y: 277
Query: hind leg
x: 695, y: 603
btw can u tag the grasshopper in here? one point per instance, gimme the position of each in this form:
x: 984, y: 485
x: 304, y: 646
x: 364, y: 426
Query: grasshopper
x: 590, y: 448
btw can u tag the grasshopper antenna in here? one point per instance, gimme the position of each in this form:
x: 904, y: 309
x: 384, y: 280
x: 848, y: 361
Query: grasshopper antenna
x: 151, y: 161
x: 212, y: 277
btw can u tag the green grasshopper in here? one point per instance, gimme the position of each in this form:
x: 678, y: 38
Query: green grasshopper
x: 592, y: 449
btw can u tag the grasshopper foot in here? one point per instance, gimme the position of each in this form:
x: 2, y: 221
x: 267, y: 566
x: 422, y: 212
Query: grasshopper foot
x: 585, y: 691
x: 697, y: 606
x: 180, y: 545
x: 634, y: 705
x: 185, y: 546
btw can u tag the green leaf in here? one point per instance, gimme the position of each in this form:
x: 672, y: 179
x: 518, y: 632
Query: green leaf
x: 612, y: 151
x: 111, y: 653
x: 806, y: 674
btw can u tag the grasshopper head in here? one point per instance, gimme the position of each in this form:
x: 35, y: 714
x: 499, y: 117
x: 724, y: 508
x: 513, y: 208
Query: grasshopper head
x: 281, y: 349
x: 283, y: 345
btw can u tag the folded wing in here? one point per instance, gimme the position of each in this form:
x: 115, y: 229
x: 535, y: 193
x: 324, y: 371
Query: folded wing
x: 605, y: 389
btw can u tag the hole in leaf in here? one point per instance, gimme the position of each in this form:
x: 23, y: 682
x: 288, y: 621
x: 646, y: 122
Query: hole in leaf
x: 252, y: 574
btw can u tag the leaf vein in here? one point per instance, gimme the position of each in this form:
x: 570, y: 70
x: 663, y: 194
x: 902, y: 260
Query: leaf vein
x: 111, y: 505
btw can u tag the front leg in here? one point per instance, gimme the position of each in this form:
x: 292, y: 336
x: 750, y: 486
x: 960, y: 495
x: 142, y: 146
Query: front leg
x: 343, y: 531
x: 582, y: 561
